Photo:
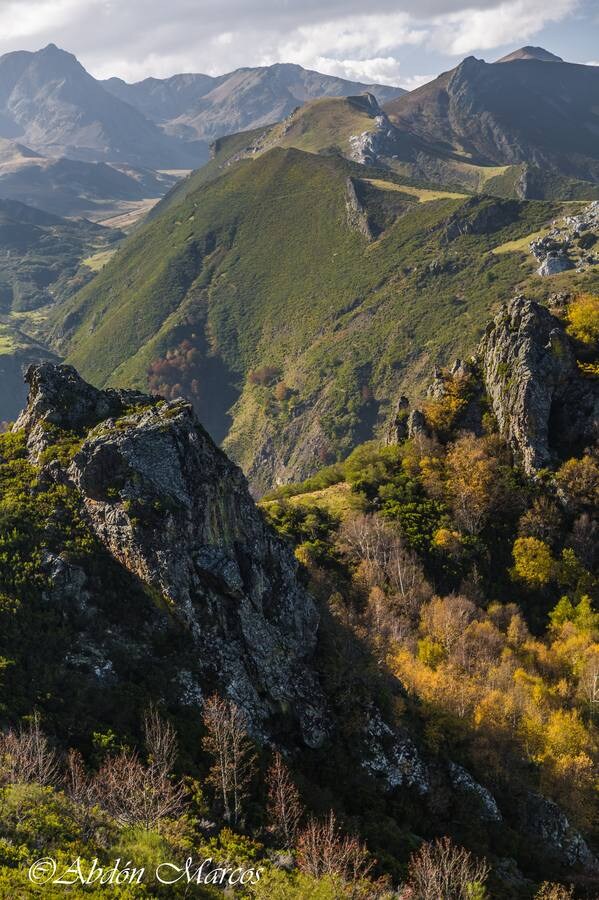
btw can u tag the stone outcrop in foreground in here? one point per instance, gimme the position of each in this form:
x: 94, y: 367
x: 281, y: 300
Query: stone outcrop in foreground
x: 177, y: 513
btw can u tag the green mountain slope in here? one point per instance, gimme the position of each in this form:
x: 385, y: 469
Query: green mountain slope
x: 292, y: 305
x: 523, y: 128
x: 358, y: 129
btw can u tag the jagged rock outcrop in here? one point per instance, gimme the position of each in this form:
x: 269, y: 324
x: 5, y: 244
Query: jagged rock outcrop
x: 545, y: 408
x: 463, y: 781
x: 549, y: 826
x: 571, y: 243
x: 541, y: 402
x: 380, y: 141
x: 176, y: 513
x: 220, y: 603
x: 397, y: 430
x: 357, y: 215
x: 67, y: 402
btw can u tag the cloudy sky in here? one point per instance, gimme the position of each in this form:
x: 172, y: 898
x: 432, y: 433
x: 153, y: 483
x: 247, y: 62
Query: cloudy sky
x: 403, y: 42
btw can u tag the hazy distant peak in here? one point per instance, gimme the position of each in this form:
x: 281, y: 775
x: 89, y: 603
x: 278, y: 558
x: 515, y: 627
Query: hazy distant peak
x: 538, y: 53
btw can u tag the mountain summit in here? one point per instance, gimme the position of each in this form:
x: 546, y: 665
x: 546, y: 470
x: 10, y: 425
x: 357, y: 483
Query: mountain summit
x: 526, y: 112
x: 50, y: 103
x: 537, y: 53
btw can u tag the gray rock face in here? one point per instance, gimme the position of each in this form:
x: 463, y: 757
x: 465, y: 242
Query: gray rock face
x: 416, y: 423
x: 546, y: 821
x: 570, y: 243
x: 59, y: 397
x: 357, y: 216
x: 554, y: 263
x: 538, y: 396
x: 398, y: 428
x: 463, y: 781
x: 174, y: 511
x: 392, y: 757
x: 379, y: 142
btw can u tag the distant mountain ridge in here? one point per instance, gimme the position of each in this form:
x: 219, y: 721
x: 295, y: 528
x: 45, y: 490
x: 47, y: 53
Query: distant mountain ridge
x: 70, y: 187
x: 204, y: 107
x: 521, y: 111
x: 50, y: 103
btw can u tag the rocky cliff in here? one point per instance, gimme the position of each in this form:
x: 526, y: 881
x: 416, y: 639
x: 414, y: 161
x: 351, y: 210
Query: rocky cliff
x: 526, y: 369
x: 170, y: 507
x: 542, y: 403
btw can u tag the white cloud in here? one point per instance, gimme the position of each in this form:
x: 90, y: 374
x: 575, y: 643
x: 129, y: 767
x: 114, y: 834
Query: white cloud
x: 22, y: 20
x: 511, y: 22
x: 379, y: 69
x: 136, y: 38
x: 358, y: 47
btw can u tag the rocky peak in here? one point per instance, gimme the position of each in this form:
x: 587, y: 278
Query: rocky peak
x: 525, y: 364
x: 538, y: 396
x: 528, y: 52
x: 367, y: 102
x: 59, y: 397
x: 172, y: 509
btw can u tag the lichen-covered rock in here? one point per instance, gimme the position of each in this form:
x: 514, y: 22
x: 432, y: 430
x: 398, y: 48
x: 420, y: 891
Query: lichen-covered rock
x: 549, y: 825
x: 397, y: 430
x: 174, y: 511
x: 570, y: 243
x: 392, y: 757
x: 554, y: 263
x: 463, y: 781
x: 417, y: 423
x: 68, y: 403
x: 540, y: 400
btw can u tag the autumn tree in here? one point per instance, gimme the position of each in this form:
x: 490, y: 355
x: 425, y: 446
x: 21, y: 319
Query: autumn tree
x: 583, y: 319
x: 284, y: 808
x: 553, y: 891
x: 445, y: 619
x: 135, y: 792
x: 322, y: 849
x: 382, y: 555
x: 234, y: 760
x: 578, y: 482
x: 542, y: 520
x: 440, y: 869
x: 533, y: 562
x: 473, y: 482
x: 80, y: 787
x: 26, y: 756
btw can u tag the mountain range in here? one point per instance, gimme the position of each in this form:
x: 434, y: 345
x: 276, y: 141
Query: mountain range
x: 529, y: 108
x: 262, y: 281
x: 524, y: 126
x: 200, y: 107
x: 50, y: 103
